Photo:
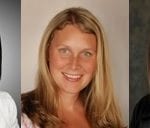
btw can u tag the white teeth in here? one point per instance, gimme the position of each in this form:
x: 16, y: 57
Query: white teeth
x: 72, y: 76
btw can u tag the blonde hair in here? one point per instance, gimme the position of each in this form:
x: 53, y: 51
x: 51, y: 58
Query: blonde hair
x: 98, y: 98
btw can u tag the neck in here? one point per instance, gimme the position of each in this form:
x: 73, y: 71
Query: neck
x: 69, y: 101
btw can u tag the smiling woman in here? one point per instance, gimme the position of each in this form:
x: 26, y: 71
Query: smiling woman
x: 72, y: 59
x: 74, y: 87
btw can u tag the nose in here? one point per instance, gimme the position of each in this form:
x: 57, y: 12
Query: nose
x: 75, y: 63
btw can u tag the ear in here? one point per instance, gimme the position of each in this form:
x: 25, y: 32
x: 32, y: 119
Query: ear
x: 0, y: 58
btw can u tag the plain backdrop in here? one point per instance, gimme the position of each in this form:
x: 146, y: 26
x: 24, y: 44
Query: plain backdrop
x: 10, y: 25
x: 114, y: 16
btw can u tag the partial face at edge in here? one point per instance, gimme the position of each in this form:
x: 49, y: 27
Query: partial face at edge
x: 72, y: 59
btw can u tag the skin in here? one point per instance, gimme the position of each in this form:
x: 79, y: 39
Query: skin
x: 72, y: 62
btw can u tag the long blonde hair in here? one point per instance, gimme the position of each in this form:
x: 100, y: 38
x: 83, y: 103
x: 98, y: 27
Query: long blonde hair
x: 98, y: 98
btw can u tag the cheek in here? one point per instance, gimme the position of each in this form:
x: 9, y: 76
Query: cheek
x: 90, y: 66
x: 55, y: 62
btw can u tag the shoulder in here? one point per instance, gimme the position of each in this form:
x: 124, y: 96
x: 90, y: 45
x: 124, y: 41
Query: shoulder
x: 6, y: 101
x: 31, y: 110
x: 26, y: 97
x: 146, y: 99
x: 144, y: 105
x: 8, y: 111
x: 28, y: 102
x: 141, y: 112
x: 26, y: 122
x: 4, y: 95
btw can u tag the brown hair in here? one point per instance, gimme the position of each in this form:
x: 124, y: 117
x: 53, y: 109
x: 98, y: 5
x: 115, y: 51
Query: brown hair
x: 101, y: 109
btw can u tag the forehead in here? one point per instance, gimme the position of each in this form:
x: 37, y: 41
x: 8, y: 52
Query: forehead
x: 73, y: 33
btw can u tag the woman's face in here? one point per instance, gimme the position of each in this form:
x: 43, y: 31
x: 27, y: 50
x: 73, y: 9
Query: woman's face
x: 72, y: 59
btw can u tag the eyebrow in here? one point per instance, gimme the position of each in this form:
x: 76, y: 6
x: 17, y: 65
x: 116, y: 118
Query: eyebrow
x: 89, y: 49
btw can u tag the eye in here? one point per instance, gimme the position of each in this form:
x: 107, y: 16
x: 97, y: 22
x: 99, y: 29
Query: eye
x: 64, y: 51
x: 87, y: 54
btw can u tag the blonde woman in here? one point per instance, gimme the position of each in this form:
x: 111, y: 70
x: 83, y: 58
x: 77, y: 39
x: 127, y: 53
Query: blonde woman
x: 74, y: 87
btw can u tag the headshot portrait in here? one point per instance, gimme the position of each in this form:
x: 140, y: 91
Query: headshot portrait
x: 10, y: 63
x: 71, y: 73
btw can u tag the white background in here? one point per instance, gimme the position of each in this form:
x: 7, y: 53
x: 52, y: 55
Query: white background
x: 113, y: 14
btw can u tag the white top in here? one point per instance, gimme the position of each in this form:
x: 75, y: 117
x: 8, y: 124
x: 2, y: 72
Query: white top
x: 8, y: 111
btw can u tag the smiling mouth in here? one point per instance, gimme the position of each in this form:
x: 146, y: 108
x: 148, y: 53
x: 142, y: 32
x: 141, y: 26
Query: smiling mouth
x: 72, y: 77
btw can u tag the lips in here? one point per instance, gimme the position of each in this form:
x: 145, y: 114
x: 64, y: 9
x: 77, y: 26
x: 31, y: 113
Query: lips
x: 72, y: 77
